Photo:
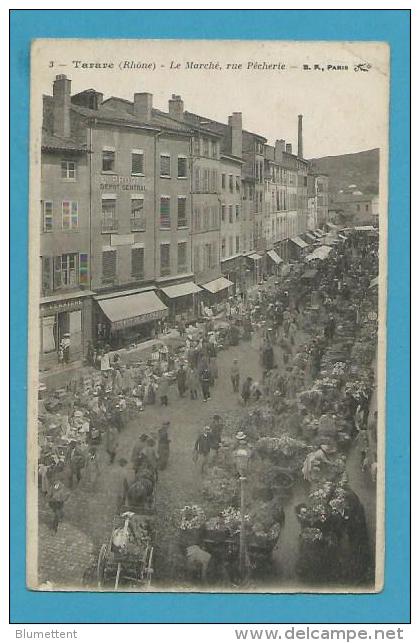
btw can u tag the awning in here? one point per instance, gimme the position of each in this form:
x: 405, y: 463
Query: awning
x: 319, y: 253
x: 132, y: 310
x: 218, y: 284
x: 274, y: 256
x: 374, y: 282
x: 331, y: 226
x: 254, y: 257
x: 311, y: 236
x: 181, y: 290
x: 343, y: 237
x: 299, y: 242
x: 319, y: 233
x: 309, y: 274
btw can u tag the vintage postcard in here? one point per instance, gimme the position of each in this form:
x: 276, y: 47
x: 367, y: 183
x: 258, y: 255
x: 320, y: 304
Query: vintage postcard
x: 206, y: 390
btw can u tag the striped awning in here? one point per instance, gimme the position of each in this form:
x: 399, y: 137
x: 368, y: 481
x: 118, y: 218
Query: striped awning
x: 274, y: 256
x: 133, y: 310
x: 299, y: 242
x: 181, y: 290
x: 217, y: 284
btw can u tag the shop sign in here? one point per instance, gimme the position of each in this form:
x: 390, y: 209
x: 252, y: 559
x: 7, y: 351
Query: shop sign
x: 118, y: 182
x: 140, y: 319
x: 61, y: 306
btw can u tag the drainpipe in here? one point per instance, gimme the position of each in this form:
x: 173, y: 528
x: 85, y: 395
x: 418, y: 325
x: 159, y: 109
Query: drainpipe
x: 155, y: 200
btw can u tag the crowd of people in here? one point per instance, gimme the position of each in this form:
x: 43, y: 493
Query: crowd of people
x: 316, y: 340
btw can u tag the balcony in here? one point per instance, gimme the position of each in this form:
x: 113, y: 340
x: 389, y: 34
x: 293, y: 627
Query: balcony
x: 110, y: 225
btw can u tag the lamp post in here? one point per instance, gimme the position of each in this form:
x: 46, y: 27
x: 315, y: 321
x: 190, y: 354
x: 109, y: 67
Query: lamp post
x: 242, y: 456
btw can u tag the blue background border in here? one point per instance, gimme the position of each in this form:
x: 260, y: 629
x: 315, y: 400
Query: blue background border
x: 390, y: 606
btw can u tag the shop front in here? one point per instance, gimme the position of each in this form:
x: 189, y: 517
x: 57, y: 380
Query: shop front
x: 127, y: 319
x: 234, y: 270
x: 183, y: 301
x: 256, y: 263
x: 65, y: 322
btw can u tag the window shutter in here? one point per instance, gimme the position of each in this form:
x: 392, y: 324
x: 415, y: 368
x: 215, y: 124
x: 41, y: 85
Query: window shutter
x: 57, y: 272
x: 137, y: 262
x: 109, y: 265
x: 46, y: 274
x: 83, y: 269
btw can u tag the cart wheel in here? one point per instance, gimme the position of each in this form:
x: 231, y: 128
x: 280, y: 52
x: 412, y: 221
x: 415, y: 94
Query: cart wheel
x: 100, y: 567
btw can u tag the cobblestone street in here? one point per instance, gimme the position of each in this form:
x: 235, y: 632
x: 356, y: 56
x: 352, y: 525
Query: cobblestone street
x: 65, y: 556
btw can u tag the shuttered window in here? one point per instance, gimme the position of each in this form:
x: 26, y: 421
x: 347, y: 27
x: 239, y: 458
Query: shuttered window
x: 137, y: 263
x: 83, y: 269
x: 182, y: 256
x: 165, y: 212
x: 165, y: 165
x: 46, y: 274
x: 138, y: 220
x: 108, y: 161
x: 182, y: 167
x: 165, y: 259
x: 66, y: 270
x: 182, y: 211
x: 70, y: 215
x: 109, y: 265
x: 137, y: 163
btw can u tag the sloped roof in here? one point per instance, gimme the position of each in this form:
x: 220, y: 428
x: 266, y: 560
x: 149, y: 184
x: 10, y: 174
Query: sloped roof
x: 50, y: 141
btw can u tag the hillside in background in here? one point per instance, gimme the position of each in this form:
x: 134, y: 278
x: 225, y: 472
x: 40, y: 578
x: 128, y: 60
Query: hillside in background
x: 361, y: 169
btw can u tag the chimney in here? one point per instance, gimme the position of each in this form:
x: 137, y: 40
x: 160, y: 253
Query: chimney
x: 143, y: 104
x: 62, y: 101
x: 278, y: 150
x: 300, y: 137
x: 89, y: 98
x: 235, y: 124
x: 176, y: 107
x: 289, y: 148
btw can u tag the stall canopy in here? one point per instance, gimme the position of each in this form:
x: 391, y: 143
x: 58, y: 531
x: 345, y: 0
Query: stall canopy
x: 218, y: 284
x: 132, y: 310
x: 181, y: 290
x: 254, y: 257
x: 319, y: 233
x: 311, y: 236
x: 299, y: 242
x: 274, y: 256
x: 343, y: 237
x: 319, y: 253
x: 331, y: 226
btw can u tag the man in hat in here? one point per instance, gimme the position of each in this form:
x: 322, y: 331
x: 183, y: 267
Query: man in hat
x: 76, y: 462
x: 202, y: 449
x: 65, y: 347
x: 235, y: 375
x: 111, y: 442
x: 57, y: 497
x: 246, y: 390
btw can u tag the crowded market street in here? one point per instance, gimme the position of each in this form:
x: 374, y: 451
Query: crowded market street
x: 268, y: 483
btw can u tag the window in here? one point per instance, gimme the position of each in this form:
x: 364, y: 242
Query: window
x: 182, y: 256
x: 206, y: 147
x: 165, y: 212
x: 165, y: 165
x: 137, y: 162
x: 223, y: 213
x: 196, y: 147
x: 214, y: 181
x: 109, y: 214
x: 367, y: 207
x: 70, y: 215
x: 231, y: 182
x: 197, y: 180
x: 137, y: 263
x: 182, y: 167
x: 215, y: 217
x: 138, y: 220
x: 47, y: 216
x: 207, y: 255
x: 83, y: 269
x: 197, y: 218
x: 237, y: 212
x: 206, y: 217
x: 165, y: 262
x: 109, y: 266
x: 214, y: 149
x: 237, y: 244
x: 182, y: 211
x: 231, y: 214
x: 68, y: 170
x: 223, y: 248
x: 238, y: 183
x: 108, y: 161
x: 223, y: 181
x: 66, y: 270
x: 206, y: 181
x: 197, y: 261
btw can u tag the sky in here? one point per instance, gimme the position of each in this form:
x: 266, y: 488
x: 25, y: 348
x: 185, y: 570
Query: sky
x: 344, y: 111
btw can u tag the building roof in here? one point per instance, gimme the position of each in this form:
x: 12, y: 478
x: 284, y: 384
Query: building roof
x: 52, y: 142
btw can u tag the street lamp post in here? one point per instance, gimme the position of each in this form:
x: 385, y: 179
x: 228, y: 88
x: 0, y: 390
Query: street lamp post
x: 242, y: 456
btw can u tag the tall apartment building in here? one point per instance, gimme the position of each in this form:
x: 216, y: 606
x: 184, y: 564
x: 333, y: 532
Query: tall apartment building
x: 318, y: 200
